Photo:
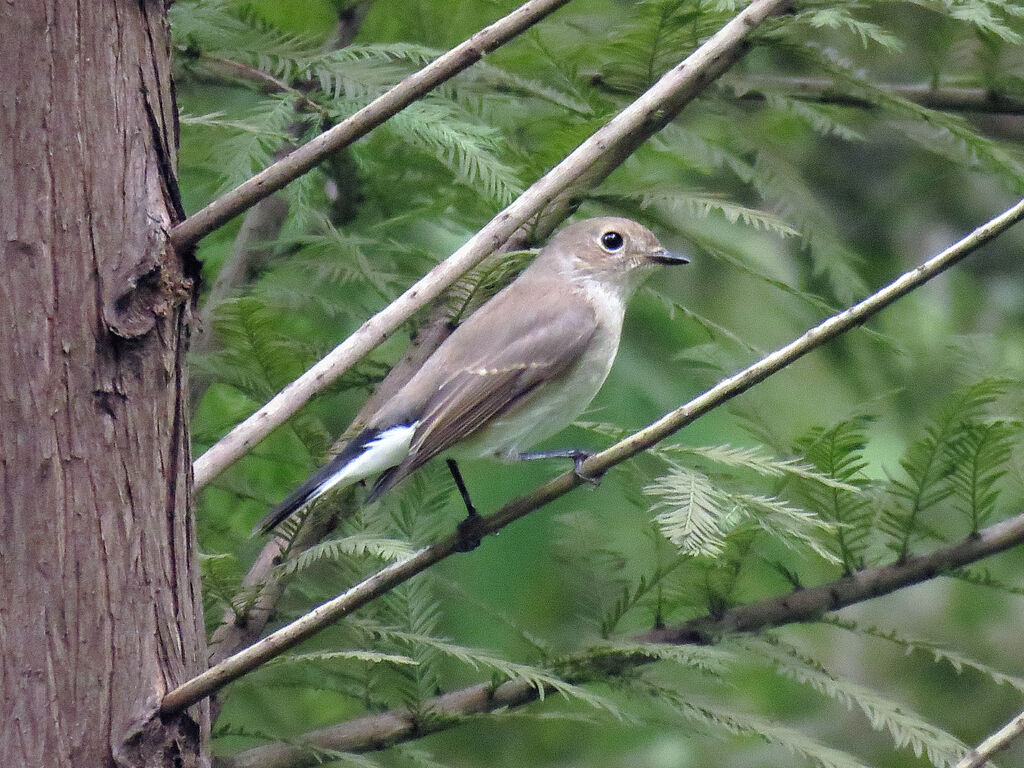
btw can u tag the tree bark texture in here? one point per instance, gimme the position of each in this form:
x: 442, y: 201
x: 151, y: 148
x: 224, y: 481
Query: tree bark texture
x: 100, y: 612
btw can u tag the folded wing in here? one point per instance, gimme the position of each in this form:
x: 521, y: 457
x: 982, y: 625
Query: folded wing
x: 531, y: 349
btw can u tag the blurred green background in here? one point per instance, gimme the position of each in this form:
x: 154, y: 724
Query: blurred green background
x: 791, y: 207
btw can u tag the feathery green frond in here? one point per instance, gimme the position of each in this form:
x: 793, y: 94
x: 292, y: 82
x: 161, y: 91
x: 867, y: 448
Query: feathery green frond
x: 695, y: 203
x: 929, y: 463
x: 658, y: 35
x: 838, y: 453
x: 631, y: 597
x: 981, y: 577
x: 221, y: 583
x: 714, y: 330
x: 906, y: 727
x: 327, y: 657
x: 470, y: 150
x: 691, y: 513
x: 698, y: 516
x: 980, y: 459
x: 758, y: 460
x: 940, y: 654
x: 356, y: 545
x: 841, y: 18
x: 935, y: 131
x: 539, y: 678
x: 710, y: 659
x: 824, y: 119
x: 719, y: 719
x: 237, y: 148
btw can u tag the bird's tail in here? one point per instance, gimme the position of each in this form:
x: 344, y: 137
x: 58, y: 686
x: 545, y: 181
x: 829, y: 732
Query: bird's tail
x: 370, y: 452
x: 314, y: 484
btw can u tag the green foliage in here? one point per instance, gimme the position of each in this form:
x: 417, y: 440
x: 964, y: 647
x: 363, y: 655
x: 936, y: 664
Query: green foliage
x: 718, y: 719
x: 838, y: 452
x: 906, y: 728
x: 958, y: 661
x: 698, y: 517
x: 791, y: 207
x: 931, y: 463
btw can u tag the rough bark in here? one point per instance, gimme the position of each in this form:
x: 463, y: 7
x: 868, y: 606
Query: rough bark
x: 101, y: 611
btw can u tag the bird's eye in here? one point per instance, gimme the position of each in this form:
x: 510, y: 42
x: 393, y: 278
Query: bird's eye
x: 611, y: 241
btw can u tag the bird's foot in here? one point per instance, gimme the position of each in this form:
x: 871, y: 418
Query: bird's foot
x: 577, y: 468
x: 577, y: 455
x: 470, y: 532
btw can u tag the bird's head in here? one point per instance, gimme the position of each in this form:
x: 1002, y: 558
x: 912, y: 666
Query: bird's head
x: 614, y: 252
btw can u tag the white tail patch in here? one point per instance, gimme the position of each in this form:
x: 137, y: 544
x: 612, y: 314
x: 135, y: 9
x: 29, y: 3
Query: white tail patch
x: 383, y: 452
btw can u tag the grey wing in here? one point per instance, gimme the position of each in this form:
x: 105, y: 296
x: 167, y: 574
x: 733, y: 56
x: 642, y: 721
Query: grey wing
x: 533, y: 350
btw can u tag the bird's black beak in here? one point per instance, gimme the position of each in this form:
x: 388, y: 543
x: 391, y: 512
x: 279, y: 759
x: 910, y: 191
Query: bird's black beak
x: 668, y: 258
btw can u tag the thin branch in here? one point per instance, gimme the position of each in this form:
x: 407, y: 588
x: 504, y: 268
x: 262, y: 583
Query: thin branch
x: 311, y: 154
x: 387, y: 578
x: 810, y: 603
x: 997, y: 742
x: 442, y: 712
x: 237, y: 631
x: 376, y: 732
x: 660, y: 103
x: 825, y: 91
x: 261, y: 226
x: 268, y: 82
x: 256, y: 242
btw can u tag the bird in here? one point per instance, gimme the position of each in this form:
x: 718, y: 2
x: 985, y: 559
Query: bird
x: 518, y: 370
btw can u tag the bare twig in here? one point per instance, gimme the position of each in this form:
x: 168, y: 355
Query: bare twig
x: 376, y: 732
x: 308, y: 156
x: 266, y: 81
x: 382, y: 730
x: 826, y: 91
x: 809, y: 603
x: 260, y: 229
x: 997, y: 742
x: 396, y: 573
x: 676, y: 88
x: 256, y: 241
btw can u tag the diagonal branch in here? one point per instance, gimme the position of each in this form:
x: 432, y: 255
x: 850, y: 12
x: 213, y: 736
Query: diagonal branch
x: 256, y: 242
x: 826, y: 91
x: 236, y: 632
x: 442, y: 712
x: 387, y: 578
x: 617, y: 138
x: 997, y: 742
x: 311, y: 154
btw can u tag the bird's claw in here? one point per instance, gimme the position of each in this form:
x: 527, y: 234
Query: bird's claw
x: 470, y: 533
x: 577, y: 463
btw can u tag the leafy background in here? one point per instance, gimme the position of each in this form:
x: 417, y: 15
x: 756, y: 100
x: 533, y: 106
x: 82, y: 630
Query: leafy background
x: 890, y: 441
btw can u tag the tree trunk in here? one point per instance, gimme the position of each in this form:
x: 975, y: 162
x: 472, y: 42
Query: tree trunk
x: 100, y: 611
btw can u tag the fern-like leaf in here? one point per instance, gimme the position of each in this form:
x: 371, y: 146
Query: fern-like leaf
x: 929, y: 463
x: 716, y: 718
x: 907, y: 728
x: 335, y: 550
x: 979, y: 458
x: 698, y: 516
x: 690, y: 512
x: 940, y: 654
x: 838, y: 453
x: 469, y: 149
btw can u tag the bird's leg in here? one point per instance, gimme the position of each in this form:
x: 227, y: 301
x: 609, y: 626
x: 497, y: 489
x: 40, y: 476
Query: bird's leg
x: 469, y: 528
x: 578, y: 457
x: 461, y: 485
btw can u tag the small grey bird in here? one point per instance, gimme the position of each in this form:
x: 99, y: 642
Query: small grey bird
x: 518, y: 370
